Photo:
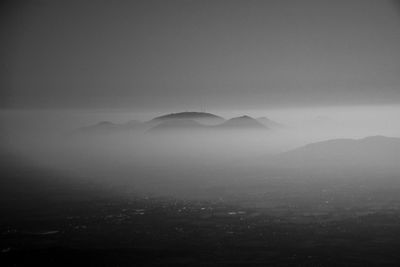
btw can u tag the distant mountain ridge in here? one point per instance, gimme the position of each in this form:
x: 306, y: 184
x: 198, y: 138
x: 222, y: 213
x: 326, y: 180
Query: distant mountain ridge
x: 347, y: 145
x: 269, y: 123
x: 179, y: 121
x: 243, y: 122
x: 188, y: 115
x: 200, y: 117
x: 373, y: 152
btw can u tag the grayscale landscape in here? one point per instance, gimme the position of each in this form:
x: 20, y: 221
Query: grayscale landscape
x: 200, y: 133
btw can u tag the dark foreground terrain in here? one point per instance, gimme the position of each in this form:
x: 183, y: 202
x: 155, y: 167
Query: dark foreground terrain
x: 169, y: 232
x: 47, y: 221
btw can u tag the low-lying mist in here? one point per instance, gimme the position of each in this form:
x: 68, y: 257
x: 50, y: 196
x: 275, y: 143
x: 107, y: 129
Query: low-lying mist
x: 191, y: 162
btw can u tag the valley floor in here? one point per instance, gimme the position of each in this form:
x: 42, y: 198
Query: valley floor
x: 171, y: 232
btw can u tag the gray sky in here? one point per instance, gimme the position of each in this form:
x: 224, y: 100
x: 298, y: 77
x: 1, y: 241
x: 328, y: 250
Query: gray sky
x: 187, y: 54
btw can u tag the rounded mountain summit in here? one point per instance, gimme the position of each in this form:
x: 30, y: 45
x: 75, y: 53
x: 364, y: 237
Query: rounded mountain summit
x: 200, y: 117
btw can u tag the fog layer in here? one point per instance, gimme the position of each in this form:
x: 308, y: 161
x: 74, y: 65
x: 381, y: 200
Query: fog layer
x: 192, y: 162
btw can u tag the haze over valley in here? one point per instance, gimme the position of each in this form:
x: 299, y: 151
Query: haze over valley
x: 188, y: 152
x: 200, y: 133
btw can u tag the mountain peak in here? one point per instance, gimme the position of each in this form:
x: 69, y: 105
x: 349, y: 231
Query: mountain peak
x: 200, y: 117
x: 243, y: 122
x: 186, y: 115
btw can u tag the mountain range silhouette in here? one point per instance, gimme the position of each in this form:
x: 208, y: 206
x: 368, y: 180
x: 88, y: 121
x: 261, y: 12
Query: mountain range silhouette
x: 184, y: 121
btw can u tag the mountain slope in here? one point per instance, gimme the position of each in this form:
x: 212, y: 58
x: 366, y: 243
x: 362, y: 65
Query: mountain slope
x: 242, y: 123
x: 269, y: 123
x: 26, y: 188
x: 177, y: 125
x: 370, y: 153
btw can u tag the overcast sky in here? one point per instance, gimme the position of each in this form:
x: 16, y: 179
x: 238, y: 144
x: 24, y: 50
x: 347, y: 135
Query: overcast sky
x: 191, y: 54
